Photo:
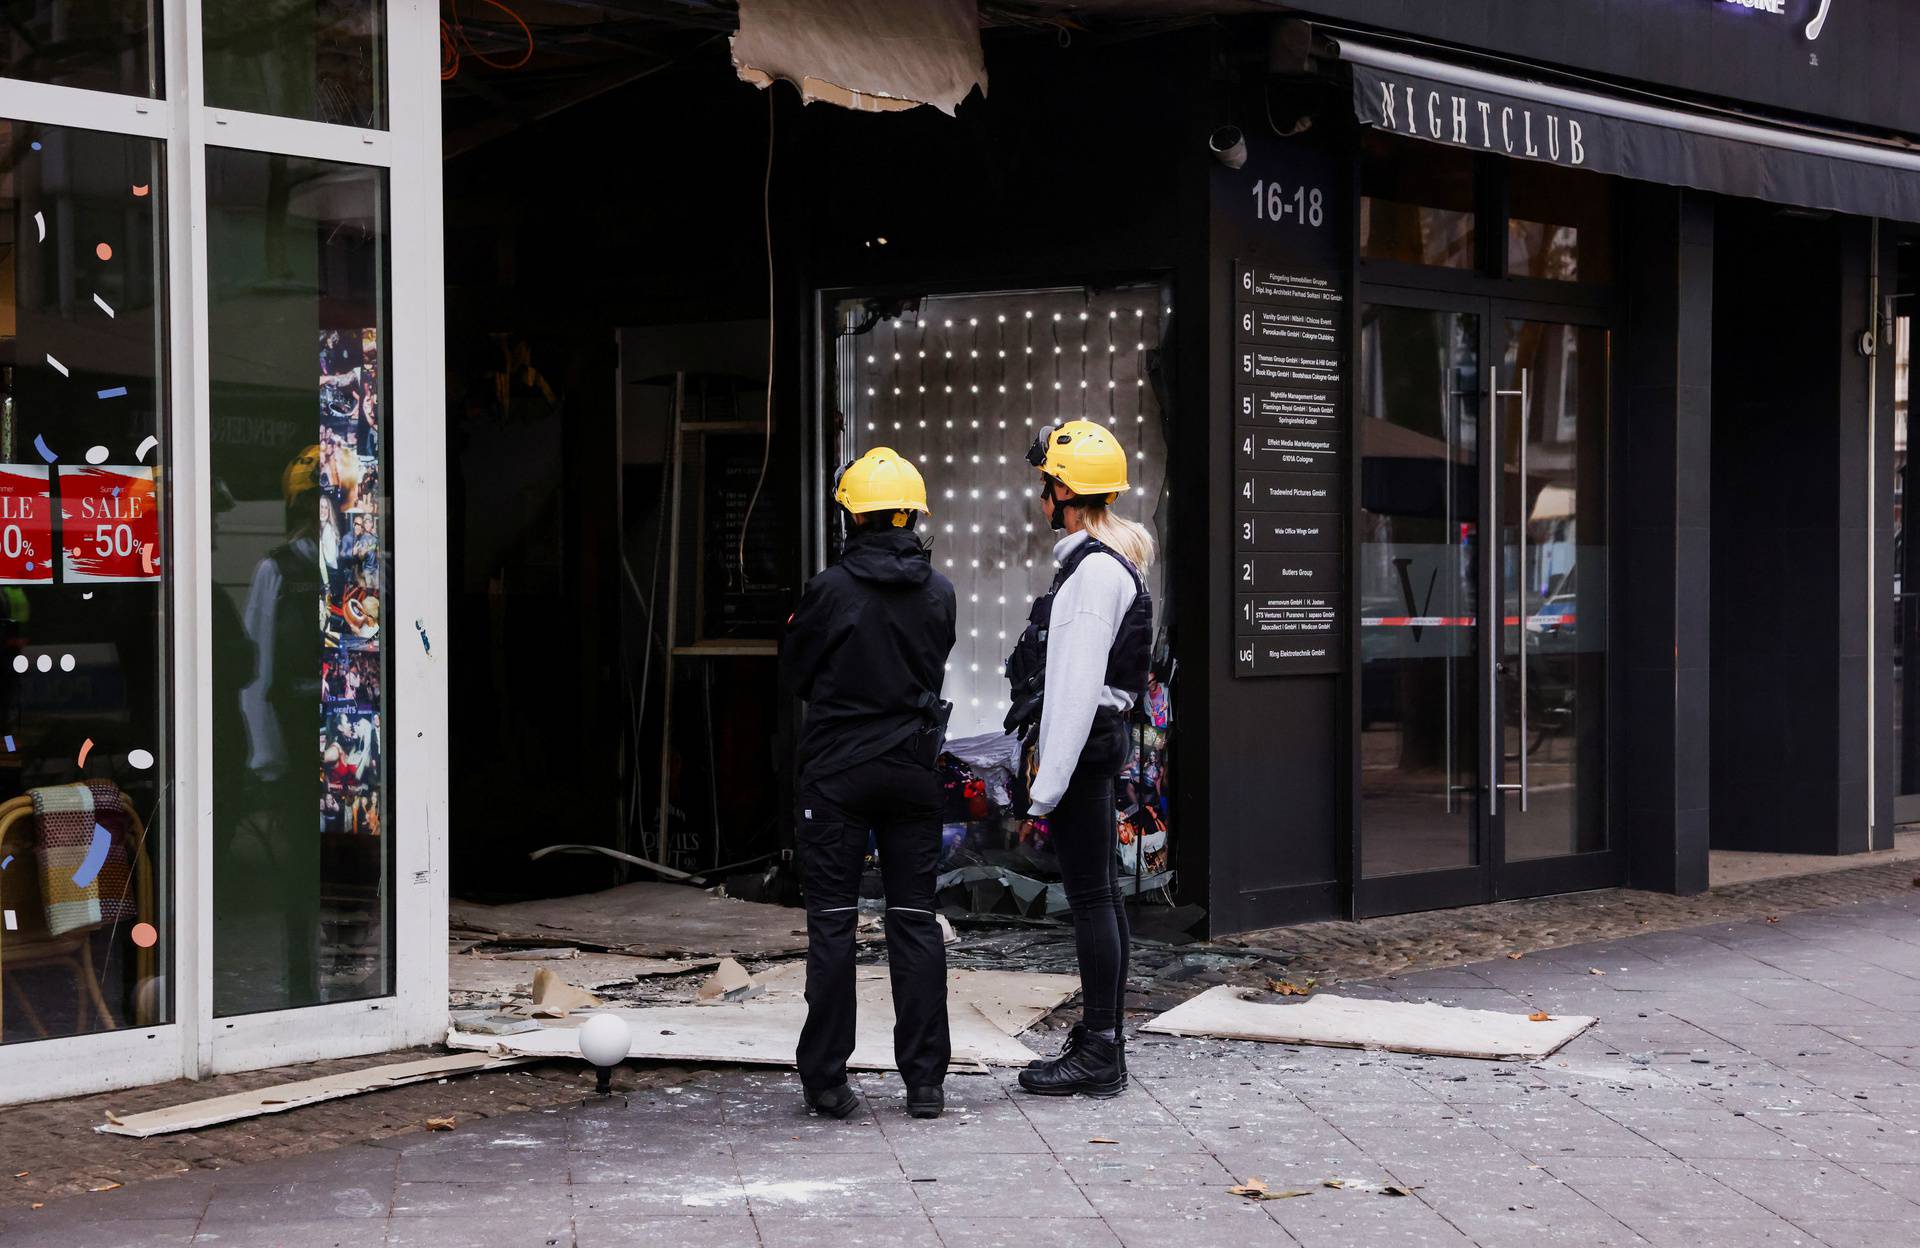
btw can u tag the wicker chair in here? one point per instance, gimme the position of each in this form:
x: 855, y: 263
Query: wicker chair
x: 33, y: 946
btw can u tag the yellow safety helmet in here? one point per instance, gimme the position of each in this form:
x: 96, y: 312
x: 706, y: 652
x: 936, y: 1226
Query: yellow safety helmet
x: 1083, y: 456
x: 882, y: 480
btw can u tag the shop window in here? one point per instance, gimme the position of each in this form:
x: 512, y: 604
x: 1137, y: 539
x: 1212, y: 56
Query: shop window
x: 297, y: 339
x: 100, y: 45
x: 316, y: 60
x: 1416, y: 202
x: 1559, y: 223
x: 86, y: 937
x: 961, y: 384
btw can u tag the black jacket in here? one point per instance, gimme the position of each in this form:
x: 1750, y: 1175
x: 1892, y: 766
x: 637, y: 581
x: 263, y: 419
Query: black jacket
x: 867, y: 650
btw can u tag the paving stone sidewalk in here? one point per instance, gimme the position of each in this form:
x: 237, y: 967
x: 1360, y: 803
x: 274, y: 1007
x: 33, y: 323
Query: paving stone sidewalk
x: 1750, y: 1083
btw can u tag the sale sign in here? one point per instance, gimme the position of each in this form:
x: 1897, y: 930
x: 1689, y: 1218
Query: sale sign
x: 26, y: 525
x: 110, y: 523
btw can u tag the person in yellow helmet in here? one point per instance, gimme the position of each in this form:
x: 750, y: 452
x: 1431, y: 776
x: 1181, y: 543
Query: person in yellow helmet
x: 867, y: 652
x: 1077, y: 673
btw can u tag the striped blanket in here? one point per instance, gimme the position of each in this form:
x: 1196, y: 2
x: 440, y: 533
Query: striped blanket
x: 64, y: 819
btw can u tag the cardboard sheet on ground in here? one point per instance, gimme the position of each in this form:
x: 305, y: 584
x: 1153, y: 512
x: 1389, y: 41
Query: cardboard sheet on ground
x: 653, y: 920
x: 470, y: 972
x: 1350, y: 1023
x: 280, y: 1097
x: 986, y: 1010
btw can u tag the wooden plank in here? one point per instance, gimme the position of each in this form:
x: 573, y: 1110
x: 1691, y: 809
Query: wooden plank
x: 762, y: 1031
x: 1346, y: 1022
x: 281, y: 1097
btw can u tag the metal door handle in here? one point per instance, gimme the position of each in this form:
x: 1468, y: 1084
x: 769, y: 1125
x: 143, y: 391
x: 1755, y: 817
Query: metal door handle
x: 1499, y: 753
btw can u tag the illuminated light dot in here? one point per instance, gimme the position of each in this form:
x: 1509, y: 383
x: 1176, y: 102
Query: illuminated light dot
x: 1003, y: 355
x: 1003, y: 602
x: 1141, y: 382
x: 1056, y: 350
x: 1136, y: 312
x: 139, y: 760
x: 896, y: 424
x: 1029, y: 419
x: 1002, y: 318
x: 144, y: 935
x: 21, y: 663
x: 1003, y: 390
x: 870, y: 426
x: 973, y: 597
x: 1029, y: 350
x: 1056, y: 316
x: 1056, y: 385
x: 976, y: 529
x: 973, y: 493
x: 44, y: 662
x: 949, y: 459
x: 896, y: 355
x: 947, y: 324
x: 1029, y: 386
x: 976, y: 459
x: 949, y: 389
x: 1139, y: 420
x: 974, y: 701
x: 974, y: 667
x: 1029, y: 316
x: 870, y: 359
x: 949, y: 666
x: 949, y: 493
x: 975, y: 563
x: 923, y: 425
x: 66, y: 662
x: 973, y: 320
x: 1139, y: 454
x: 1083, y: 348
x: 1003, y: 637
x: 896, y: 325
x: 1003, y: 424
x: 1139, y: 346
x: 870, y: 392
x: 923, y: 389
x: 1083, y: 316
x: 104, y: 251
x: 1083, y: 383
x: 949, y: 355
x: 1111, y: 384
x: 1112, y: 315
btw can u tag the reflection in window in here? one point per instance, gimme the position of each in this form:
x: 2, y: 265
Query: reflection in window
x: 85, y: 863
x: 317, y: 60
x: 297, y: 341
x: 1560, y: 223
x: 95, y: 45
x: 1416, y: 202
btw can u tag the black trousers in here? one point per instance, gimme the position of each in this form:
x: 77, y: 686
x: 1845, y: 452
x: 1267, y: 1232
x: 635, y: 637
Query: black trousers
x: 897, y: 798
x: 1086, y: 842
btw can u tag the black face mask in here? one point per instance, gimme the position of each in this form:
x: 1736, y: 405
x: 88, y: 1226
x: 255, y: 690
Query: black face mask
x: 1057, y: 514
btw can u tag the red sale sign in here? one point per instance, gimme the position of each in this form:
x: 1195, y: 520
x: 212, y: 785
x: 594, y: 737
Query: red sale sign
x: 110, y: 528
x: 26, y: 525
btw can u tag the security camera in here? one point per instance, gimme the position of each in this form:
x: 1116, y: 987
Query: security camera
x: 1228, y: 146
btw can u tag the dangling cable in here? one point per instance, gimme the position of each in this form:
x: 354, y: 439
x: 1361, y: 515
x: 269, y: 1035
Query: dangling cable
x: 766, y: 450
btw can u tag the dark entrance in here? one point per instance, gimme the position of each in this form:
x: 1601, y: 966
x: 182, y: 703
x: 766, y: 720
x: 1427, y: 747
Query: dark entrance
x: 1482, y: 741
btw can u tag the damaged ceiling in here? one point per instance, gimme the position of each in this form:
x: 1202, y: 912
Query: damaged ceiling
x: 506, y: 64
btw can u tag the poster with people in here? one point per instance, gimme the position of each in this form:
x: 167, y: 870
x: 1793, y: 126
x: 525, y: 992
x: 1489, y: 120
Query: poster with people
x: 351, y: 675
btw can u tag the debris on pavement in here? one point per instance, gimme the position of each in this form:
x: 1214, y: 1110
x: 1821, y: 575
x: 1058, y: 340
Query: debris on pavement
x: 1341, y: 1022
x: 987, y: 1010
x: 651, y: 920
x: 1368, y: 1186
x: 445, y: 1123
x: 278, y: 1098
x: 1256, y: 1189
x: 554, y: 997
x: 729, y: 982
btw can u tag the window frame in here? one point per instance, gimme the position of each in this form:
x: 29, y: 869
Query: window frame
x: 196, y: 1044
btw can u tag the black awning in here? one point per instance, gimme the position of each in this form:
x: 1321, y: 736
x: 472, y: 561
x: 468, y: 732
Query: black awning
x: 1471, y: 109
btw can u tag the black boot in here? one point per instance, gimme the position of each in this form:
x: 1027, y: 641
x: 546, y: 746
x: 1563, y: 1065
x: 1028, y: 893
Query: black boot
x: 1095, y: 1067
x: 1066, y: 1050
x: 835, y: 1102
x: 926, y: 1102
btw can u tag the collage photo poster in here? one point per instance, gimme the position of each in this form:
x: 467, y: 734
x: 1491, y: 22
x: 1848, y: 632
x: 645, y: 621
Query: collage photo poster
x: 350, y: 578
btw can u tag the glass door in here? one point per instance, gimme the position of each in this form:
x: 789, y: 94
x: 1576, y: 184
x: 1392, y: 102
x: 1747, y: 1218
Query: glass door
x: 1482, y: 734
x: 1421, y: 809
x: 1549, y: 420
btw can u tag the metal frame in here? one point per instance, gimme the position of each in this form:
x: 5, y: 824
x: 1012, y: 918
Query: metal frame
x: 196, y: 1043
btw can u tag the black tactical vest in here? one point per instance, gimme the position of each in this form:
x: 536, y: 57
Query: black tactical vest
x: 1127, y: 661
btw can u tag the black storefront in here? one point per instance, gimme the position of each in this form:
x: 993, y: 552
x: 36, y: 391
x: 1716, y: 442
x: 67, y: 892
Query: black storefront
x: 1519, y: 390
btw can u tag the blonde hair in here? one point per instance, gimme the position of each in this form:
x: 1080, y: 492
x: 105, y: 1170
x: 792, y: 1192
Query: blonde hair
x: 1129, y: 538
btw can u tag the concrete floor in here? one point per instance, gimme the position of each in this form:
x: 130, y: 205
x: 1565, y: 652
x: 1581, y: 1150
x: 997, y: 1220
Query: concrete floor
x: 1731, y: 866
x: 1749, y: 1083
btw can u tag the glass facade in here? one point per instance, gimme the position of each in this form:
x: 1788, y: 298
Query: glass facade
x: 297, y: 327
x: 316, y: 60
x: 85, y: 833
x: 95, y: 45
